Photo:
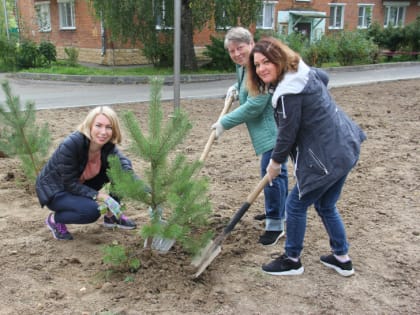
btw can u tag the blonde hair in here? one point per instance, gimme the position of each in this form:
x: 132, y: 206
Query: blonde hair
x: 282, y: 56
x: 86, y: 126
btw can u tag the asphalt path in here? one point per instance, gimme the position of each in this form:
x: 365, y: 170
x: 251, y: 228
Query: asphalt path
x: 61, y: 94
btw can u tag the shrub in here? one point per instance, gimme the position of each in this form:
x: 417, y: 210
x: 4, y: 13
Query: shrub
x: 219, y: 56
x: 28, y: 54
x: 72, y: 55
x: 48, y: 51
x: 353, y: 47
x: 8, y: 52
x: 296, y: 41
x: 322, y: 51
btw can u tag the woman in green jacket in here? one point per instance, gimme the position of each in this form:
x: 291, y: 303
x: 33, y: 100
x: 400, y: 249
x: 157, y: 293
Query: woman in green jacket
x: 257, y: 113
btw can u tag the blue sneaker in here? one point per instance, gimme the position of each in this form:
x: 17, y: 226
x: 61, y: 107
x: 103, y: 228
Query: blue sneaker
x: 58, y: 230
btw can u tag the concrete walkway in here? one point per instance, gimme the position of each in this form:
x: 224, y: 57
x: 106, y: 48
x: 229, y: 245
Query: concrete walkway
x: 77, y: 91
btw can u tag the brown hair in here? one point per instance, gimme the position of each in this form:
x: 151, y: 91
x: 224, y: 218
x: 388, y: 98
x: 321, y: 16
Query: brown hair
x: 109, y: 113
x: 284, y: 58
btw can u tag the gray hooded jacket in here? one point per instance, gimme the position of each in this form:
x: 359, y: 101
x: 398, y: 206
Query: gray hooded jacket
x: 323, y: 142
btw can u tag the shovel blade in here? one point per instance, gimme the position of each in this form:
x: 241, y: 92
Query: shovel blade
x: 207, y: 260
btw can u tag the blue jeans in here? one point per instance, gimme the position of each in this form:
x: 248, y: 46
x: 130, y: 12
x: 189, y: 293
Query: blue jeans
x: 73, y: 209
x: 275, y: 196
x: 325, y: 205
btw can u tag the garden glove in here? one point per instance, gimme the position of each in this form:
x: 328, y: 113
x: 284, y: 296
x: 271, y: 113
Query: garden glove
x: 232, y: 91
x: 113, y: 206
x: 273, y: 170
x: 218, y: 127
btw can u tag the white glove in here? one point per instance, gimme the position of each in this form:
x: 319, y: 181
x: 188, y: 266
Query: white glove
x: 232, y: 91
x: 219, y: 129
x: 273, y: 170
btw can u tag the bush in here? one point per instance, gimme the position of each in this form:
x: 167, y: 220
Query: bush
x: 296, y: 41
x: 219, y: 56
x: 73, y: 56
x: 28, y: 55
x: 412, y: 33
x: 8, y: 52
x: 322, y: 51
x: 48, y: 51
x: 353, y: 47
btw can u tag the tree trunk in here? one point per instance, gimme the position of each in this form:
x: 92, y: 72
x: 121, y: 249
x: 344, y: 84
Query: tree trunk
x: 188, y: 58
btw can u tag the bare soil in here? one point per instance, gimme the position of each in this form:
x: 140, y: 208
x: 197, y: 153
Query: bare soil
x: 380, y: 207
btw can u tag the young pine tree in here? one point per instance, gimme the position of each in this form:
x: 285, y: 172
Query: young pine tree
x: 20, y: 136
x: 171, y: 188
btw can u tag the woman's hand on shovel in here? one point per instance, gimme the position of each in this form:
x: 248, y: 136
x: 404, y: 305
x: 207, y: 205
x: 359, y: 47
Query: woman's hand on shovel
x: 273, y: 170
x: 218, y: 127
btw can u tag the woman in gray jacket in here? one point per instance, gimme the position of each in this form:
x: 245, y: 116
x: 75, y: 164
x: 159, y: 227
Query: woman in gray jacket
x: 323, y: 142
x: 71, y: 182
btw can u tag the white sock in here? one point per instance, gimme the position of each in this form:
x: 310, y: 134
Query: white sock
x: 342, y: 258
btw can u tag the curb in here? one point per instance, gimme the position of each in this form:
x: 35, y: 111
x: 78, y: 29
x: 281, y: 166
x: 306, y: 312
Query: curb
x: 169, y: 80
x: 108, y: 79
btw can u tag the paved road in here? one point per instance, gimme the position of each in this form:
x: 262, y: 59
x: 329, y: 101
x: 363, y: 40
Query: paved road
x: 60, y: 94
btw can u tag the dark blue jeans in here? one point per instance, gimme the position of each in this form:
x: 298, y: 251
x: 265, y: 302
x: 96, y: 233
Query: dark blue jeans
x: 74, y: 209
x: 275, y: 196
x: 325, y: 205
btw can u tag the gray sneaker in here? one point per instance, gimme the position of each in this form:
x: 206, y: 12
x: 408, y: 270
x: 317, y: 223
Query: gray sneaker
x: 58, y: 230
x: 122, y: 223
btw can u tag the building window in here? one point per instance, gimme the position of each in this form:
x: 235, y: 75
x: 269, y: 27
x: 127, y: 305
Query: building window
x: 43, y: 16
x: 336, y: 16
x: 394, y: 15
x: 66, y: 14
x: 365, y: 15
x: 266, y: 16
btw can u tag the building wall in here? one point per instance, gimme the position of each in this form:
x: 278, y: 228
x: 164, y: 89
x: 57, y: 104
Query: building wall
x: 87, y: 35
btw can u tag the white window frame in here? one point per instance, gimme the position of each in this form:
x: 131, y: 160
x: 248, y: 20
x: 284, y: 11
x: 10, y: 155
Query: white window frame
x: 399, y: 17
x: 267, y: 21
x: 365, y: 17
x: 43, y: 16
x: 337, y: 19
x: 66, y: 14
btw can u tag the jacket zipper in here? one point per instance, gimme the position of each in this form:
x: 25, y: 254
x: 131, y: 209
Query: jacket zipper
x: 318, y: 161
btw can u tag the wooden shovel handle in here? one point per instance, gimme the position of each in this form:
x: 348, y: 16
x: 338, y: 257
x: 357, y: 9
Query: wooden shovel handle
x: 226, y: 107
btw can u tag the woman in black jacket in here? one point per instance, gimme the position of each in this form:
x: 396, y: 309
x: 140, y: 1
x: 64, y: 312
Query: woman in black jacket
x: 323, y: 142
x: 71, y: 181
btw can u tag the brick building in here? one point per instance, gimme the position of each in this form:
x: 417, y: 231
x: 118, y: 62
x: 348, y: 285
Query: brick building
x: 69, y: 23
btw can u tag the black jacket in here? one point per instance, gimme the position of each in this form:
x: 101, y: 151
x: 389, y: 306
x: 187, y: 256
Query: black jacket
x: 322, y: 140
x: 66, y: 165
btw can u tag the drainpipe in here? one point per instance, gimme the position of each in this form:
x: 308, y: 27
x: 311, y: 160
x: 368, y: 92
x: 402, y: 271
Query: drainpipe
x: 103, y: 39
x: 6, y: 19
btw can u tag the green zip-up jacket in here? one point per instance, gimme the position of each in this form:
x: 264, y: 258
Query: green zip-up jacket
x: 256, y: 112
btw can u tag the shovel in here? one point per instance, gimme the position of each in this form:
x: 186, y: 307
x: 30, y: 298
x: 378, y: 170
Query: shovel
x: 226, y: 108
x: 209, y: 253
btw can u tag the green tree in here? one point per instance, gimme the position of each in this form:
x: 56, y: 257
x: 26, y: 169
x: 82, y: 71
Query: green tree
x: 170, y: 186
x: 151, y: 23
x: 20, y: 136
